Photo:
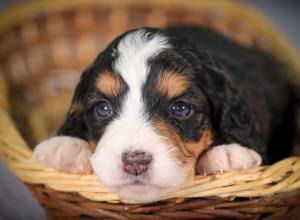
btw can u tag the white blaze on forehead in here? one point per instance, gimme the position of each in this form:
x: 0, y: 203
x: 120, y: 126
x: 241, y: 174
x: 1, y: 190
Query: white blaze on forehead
x: 134, y: 52
x: 131, y: 131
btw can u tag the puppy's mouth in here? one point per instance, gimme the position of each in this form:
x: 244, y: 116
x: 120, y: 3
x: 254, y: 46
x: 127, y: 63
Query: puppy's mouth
x: 139, y: 191
x: 137, y: 183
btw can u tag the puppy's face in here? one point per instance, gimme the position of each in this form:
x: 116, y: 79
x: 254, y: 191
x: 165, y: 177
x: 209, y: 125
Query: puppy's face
x: 141, y: 107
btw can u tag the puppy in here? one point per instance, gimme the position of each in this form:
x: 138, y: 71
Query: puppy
x: 157, y: 106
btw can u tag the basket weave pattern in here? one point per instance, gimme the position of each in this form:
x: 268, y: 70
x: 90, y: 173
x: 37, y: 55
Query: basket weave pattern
x: 42, y: 54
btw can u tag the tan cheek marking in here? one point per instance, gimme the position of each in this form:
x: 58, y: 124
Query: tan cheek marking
x: 174, y: 138
x: 92, y: 145
x: 172, y: 84
x: 202, y: 144
x: 187, y: 153
x: 76, y: 108
x: 198, y: 147
x: 108, y: 84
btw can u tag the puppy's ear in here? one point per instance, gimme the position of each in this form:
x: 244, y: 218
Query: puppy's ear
x: 231, y: 116
x: 237, y: 122
x: 74, y: 124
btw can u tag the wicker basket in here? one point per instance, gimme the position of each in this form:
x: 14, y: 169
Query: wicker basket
x: 45, y: 45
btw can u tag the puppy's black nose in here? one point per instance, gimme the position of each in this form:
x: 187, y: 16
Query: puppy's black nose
x: 136, y: 162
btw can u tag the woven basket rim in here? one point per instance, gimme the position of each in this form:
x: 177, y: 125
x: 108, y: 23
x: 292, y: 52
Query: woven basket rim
x: 281, y: 177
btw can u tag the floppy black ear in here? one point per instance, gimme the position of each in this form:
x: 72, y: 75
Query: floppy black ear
x: 232, y: 118
x: 238, y: 123
x: 74, y: 124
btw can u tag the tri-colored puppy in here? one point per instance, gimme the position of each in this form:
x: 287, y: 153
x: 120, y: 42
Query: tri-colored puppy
x: 156, y: 106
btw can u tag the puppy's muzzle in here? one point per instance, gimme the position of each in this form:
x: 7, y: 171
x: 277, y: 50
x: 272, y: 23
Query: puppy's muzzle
x: 136, y: 162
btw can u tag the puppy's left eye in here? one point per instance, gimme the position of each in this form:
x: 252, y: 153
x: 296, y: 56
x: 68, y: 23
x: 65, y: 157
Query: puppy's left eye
x: 180, y: 109
x: 104, y: 109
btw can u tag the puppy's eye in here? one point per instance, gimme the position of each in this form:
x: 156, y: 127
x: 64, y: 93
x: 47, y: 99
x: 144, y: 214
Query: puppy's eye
x: 180, y: 109
x: 104, y: 109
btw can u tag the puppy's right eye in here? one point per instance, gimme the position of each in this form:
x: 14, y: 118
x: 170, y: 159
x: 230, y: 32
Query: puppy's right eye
x: 104, y: 109
x: 180, y: 109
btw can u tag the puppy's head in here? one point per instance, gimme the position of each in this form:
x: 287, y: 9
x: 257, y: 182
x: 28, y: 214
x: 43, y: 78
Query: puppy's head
x: 143, y: 106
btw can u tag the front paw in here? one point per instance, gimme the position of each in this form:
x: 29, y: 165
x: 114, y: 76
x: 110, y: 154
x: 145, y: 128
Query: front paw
x: 66, y: 154
x: 226, y: 158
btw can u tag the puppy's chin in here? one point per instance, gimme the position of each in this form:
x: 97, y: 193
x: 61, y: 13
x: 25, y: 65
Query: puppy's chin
x: 152, y: 187
x: 146, y: 191
x: 142, y: 193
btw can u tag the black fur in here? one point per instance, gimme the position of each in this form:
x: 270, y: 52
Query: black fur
x: 243, y: 93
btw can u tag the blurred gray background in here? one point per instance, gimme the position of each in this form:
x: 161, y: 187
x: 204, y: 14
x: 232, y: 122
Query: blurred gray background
x: 16, y: 201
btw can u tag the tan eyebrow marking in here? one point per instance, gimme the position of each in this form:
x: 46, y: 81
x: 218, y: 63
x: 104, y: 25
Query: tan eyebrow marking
x: 108, y: 84
x: 172, y: 84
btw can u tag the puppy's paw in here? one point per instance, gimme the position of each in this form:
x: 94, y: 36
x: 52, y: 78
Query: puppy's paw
x: 225, y: 158
x: 66, y: 154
